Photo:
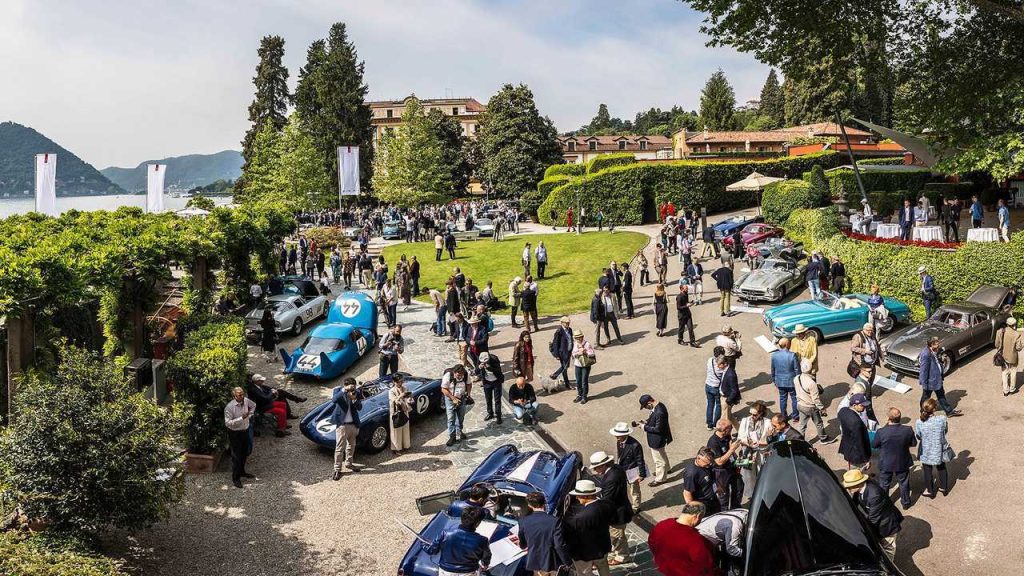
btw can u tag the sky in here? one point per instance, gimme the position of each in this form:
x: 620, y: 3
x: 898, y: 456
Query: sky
x: 119, y: 82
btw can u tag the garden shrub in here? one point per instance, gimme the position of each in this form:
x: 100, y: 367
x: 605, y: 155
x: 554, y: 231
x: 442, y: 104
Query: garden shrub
x: 843, y: 182
x: 25, y: 554
x: 626, y: 192
x: 889, y: 161
x: 885, y: 203
x: 327, y: 237
x: 957, y: 272
x: 545, y: 186
x: 605, y: 161
x: 564, y: 170
x: 961, y: 190
x: 821, y: 195
x: 782, y: 198
x: 204, y: 372
x: 530, y: 201
x: 86, y: 448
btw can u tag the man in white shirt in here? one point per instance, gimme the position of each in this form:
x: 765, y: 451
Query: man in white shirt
x: 526, y: 260
x: 726, y: 533
x: 236, y: 419
x: 542, y: 259
x: 256, y: 291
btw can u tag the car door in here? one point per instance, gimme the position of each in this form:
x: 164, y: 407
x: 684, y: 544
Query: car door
x: 304, y: 310
x: 980, y: 334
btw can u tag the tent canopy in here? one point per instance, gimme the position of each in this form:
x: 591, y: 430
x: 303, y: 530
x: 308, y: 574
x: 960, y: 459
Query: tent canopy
x: 190, y: 212
x: 753, y: 183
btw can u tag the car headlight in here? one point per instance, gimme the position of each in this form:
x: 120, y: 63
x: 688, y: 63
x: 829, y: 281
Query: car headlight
x: 769, y: 292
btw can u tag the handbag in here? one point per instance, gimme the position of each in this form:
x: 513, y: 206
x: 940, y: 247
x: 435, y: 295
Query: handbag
x: 998, y: 359
x: 948, y: 454
x: 853, y: 369
x: 399, y: 419
x: 587, y: 360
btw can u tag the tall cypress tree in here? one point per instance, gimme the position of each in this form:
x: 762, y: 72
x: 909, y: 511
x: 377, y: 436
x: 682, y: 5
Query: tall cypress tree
x: 717, y: 102
x: 453, y: 148
x: 773, y: 102
x: 270, y: 105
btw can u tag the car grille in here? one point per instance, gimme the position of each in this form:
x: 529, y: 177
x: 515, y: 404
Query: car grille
x: 750, y: 293
x: 901, y: 363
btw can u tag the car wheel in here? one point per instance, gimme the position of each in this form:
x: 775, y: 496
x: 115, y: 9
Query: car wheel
x: 886, y: 325
x: 379, y: 439
x: 946, y: 362
x: 782, y: 294
x: 818, y: 336
x: 297, y: 326
x: 327, y: 309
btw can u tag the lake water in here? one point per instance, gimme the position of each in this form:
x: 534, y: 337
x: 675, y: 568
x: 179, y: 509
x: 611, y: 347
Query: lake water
x: 10, y: 206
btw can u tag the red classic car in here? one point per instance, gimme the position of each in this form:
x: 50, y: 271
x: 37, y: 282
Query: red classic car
x: 755, y: 233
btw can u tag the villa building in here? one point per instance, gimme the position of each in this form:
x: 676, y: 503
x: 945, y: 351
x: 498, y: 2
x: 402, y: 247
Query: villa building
x: 580, y: 149
x: 387, y: 114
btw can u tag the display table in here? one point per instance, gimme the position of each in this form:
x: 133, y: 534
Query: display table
x: 857, y: 224
x: 888, y: 231
x: 982, y: 235
x: 928, y: 234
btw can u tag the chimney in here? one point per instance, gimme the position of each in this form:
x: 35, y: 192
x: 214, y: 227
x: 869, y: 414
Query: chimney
x: 706, y: 136
x: 746, y: 146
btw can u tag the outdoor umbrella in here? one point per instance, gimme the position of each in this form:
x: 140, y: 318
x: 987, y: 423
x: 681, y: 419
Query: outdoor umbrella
x: 190, y: 212
x: 755, y: 182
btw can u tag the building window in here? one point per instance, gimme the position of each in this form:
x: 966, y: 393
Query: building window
x: 476, y: 128
x: 762, y: 148
x: 455, y: 110
x: 390, y: 113
x: 592, y: 145
x: 643, y: 144
x: 622, y: 144
x: 722, y: 149
x: 572, y: 146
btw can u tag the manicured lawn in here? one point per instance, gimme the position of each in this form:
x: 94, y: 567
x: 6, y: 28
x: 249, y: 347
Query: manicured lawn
x: 574, y: 263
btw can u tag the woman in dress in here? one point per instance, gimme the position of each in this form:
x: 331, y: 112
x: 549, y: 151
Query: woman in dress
x: 522, y: 357
x: 753, y: 437
x: 661, y: 308
x: 399, y: 402
x: 268, y: 340
x: 933, y: 449
x: 583, y: 358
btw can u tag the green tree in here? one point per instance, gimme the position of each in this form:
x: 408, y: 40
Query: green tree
x: 516, y: 142
x: 717, y: 102
x: 773, y: 101
x: 270, y: 105
x: 410, y: 168
x: 261, y: 166
x: 201, y: 202
x: 297, y: 169
x: 761, y: 123
x: 821, y: 194
x: 88, y: 452
x: 449, y: 135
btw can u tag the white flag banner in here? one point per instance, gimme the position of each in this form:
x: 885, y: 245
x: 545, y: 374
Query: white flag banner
x: 155, y: 187
x: 348, y: 170
x: 46, y: 184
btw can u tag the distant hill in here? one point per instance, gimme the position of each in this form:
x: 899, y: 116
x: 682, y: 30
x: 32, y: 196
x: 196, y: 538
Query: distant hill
x: 18, y: 147
x: 183, y: 172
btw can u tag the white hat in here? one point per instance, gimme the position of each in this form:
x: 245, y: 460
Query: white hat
x: 620, y: 429
x: 484, y: 357
x: 799, y: 329
x: 262, y: 378
x: 600, y: 458
x: 1011, y: 321
x: 921, y: 269
x: 585, y: 488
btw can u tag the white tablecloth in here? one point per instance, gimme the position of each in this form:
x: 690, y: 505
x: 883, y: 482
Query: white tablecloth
x: 888, y: 231
x: 928, y: 233
x: 982, y: 235
x: 857, y: 223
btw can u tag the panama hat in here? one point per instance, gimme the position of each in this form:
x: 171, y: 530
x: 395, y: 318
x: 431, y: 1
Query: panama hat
x: 1011, y: 321
x: 262, y: 378
x: 800, y: 329
x: 620, y: 429
x: 727, y: 329
x: 564, y: 319
x: 600, y: 458
x: 484, y: 357
x: 854, y: 478
x: 921, y: 270
x: 577, y: 333
x: 585, y: 488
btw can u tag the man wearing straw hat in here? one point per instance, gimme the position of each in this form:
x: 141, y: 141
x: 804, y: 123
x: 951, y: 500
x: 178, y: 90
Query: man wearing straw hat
x: 630, y: 455
x: 878, y: 509
x: 586, y: 528
x: 805, y: 345
x: 614, y: 489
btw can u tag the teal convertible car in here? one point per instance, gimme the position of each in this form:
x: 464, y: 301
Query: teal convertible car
x: 832, y: 315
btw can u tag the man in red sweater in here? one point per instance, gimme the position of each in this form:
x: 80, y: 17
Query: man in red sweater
x: 678, y: 549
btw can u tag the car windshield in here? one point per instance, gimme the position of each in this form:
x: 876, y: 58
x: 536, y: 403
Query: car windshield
x: 829, y: 300
x: 951, y: 319
x: 483, y: 222
x: 315, y: 345
x: 775, y: 265
x: 275, y: 305
x: 392, y: 223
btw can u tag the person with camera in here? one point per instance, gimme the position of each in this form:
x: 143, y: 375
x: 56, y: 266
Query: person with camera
x: 455, y: 386
x: 345, y: 417
x: 390, y: 347
x: 732, y: 346
x: 490, y: 374
x: 399, y: 409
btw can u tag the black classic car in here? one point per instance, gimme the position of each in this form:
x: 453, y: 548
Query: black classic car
x: 962, y: 328
x: 803, y: 523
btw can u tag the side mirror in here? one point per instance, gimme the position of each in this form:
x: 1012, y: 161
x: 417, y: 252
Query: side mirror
x: 434, y: 503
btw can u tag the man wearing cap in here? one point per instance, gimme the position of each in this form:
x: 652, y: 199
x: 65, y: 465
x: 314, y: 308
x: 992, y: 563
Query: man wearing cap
x: 854, y: 444
x: 615, y: 490
x: 1009, y: 344
x: 659, y: 435
x: 785, y: 369
x: 699, y: 481
x: 561, y: 348
x: 586, y: 528
x: 878, y: 509
x: 805, y: 345
x: 678, y: 548
x: 730, y: 342
x: 928, y: 293
x: 893, y: 443
x: 930, y: 376
x: 630, y: 455
x: 489, y: 372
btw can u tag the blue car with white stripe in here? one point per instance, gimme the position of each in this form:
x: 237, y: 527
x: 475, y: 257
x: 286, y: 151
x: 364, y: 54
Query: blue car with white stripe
x: 331, y: 347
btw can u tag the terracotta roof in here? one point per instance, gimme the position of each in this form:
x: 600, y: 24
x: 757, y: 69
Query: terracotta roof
x: 653, y: 140
x: 471, y: 104
x: 825, y: 129
x: 741, y: 136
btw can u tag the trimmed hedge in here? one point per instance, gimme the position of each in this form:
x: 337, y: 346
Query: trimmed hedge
x: 892, y: 161
x: 626, y: 192
x: 605, y: 161
x: 782, y: 198
x: 961, y: 190
x: 564, y: 170
x: 35, y: 555
x: 957, y: 273
x: 843, y: 182
x: 545, y: 186
x: 530, y: 201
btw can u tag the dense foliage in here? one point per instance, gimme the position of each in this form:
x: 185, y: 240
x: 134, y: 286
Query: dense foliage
x: 562, y: 169
x: 456, y: 154
x: 409, y: 168
x: 604, y: 161
x: 717, y: 103
x: 269, y: 107
x: 628, y: 194
x: 24, y: 554
x: 843, y: 182
x: 204, y: 372
x: 86, y: 450
x: 773, y: 102
x: 782, y: 198
x: 201, y: 202
x: 327, y: 237
x: 650, y: 121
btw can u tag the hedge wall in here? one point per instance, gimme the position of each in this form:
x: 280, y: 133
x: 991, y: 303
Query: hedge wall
x: 564, y: 170
x: 27, y: 554
x: 843, y: 182
x: 605, y: 161
x: 957, y: 273
x: 782, y: 198
x: 892, y: 161
x: 624, y: 192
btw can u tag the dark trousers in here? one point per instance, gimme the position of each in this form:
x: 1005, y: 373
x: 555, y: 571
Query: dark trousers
x: 927, y: 308
x: 685, y: 322
x: 439, y: 327
x: 885, y: 480
x: 940, y: 396
x: 728, y: 488
x: 540, y: 268
x: 437, y: 256
x: 451, y: 253
x: 975, y: 223
x: 645, y: 276
x: 952, y: 232
x: 492, y: 395
x: 929, y: 481
x: 582, y: 381
x: 790, y: 393
x: 905, y: 231
x: 239, y: 442
x: 563, y: 370
x: 512, y: 314
x: 388, y: 363
x: 416, y: 286
x: 604, y: 324
x: 628, y: 296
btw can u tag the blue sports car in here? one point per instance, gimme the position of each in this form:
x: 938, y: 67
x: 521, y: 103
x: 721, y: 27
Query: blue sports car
x: 374, y: 427
x: 335, y: 345
x: 832, y: 315
x: 726, y: 227
x: 510, y: 475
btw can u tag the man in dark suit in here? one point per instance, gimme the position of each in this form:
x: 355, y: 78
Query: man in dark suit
x: 659, y: 435
x: 894, y: 461
x: 879, y: 511
x: 854, y: 444
x: 586, y: 528
x: 724, y: 282
x: 627, y: 290
x: 561, y: 348
x: 906, y: 219
x: 540, y: 534
x: 614, y: 489
x: 930, y: 377
x: 630, y: 455
x: 951, y: 219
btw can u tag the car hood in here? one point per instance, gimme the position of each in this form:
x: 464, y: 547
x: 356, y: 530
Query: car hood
x: 909, y: 341
x: 764, y: 279
x: 795, y: 313
x: 801, y: 520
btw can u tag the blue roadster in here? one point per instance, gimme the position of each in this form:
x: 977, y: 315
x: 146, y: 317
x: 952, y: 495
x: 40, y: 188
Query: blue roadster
x: 832, y: 315
x: 510, y: 475
x: 726, y: 227
x: 373, y: 417
x: 335, y: 345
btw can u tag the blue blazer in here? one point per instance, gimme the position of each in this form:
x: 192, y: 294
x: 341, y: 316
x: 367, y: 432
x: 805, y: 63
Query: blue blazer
x: 930, y: 376
x: 894, y: 442
x: 785, y: 367
x: 341, y: 403
x: 562, y: 345
x: 903, y: 219
x: 541, y: 535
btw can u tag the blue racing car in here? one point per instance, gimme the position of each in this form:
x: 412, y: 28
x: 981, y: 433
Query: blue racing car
x: 726, y: 227
x: 373, y: 417
x: 510, y: 475
x: 335, y: 345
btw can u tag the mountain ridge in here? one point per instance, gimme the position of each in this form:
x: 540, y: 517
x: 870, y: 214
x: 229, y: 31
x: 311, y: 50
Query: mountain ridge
x: 183, y: 172
x: 75, y: 177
